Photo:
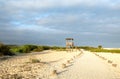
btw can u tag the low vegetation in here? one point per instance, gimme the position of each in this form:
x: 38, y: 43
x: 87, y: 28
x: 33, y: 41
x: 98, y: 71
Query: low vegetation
x: 100, y: 49
x: 105, y: 50
x: 5, y: 50
x: 35, y: 61
x: 58, y: 48
x: 15, y: 49
x: 34, y: 48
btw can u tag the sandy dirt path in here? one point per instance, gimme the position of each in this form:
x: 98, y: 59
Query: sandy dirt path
x: 88, y: 66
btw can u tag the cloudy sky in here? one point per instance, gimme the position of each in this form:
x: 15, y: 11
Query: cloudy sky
x: 49, y: 22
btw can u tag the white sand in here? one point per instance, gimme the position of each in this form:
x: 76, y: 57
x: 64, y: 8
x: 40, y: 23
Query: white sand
x: 88, y: 67
x: 79, y: 66
x: 22, y: 65
x: 114, y: 57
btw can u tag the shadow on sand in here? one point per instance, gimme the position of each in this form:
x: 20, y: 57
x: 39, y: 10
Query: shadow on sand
x: 54, y: 61
x: 62, y: 72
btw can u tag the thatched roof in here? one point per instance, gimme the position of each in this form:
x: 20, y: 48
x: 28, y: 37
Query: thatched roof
x: 69, y: 39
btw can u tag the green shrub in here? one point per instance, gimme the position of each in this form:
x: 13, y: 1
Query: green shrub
x: 105, y: 50
x: 38, y: 49
x: 100, y: 47
x: 5, y: 50
x: 35, y: 61
x: 87, y: 47
x: 46, y: 47
x: 24, y: 48
x: 58, y: 48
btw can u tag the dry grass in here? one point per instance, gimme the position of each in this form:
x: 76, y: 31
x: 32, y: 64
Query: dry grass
x: 68, y: 61
x: 114, y: 65
x: 35, y: 61
x: 54, y: 72
x: 63, y: 65
x: 109, y: 61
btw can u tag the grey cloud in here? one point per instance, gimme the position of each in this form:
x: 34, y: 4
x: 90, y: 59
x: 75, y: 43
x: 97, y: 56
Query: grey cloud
x: 90, y: 22
x: 31, y: 37
x: 53, y: 3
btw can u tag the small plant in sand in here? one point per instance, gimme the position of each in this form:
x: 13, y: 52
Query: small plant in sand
x: 35, y: 61
x: 114, y: 65
x: 54, y: 72
x: 109, y: 61
x: 63, y: 65
x: 68, y: 61
x: 103, y: 58
x: 71, y: 59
